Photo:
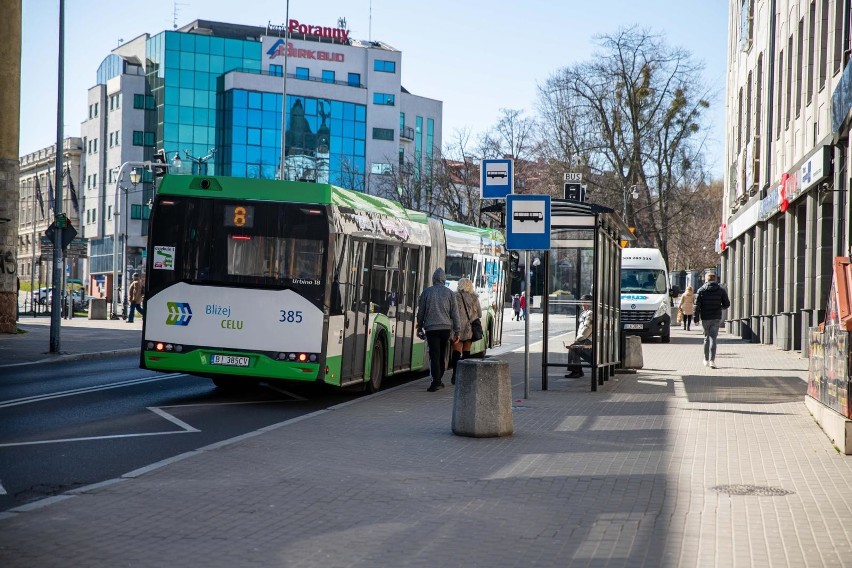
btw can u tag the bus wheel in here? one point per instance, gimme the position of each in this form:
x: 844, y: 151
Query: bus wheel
x: 665, y: 338
x: 377, y: 369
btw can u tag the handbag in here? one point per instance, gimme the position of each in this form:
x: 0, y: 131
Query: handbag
x: 475, y: 325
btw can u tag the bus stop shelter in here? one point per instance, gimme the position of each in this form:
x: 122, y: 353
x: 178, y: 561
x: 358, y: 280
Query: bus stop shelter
x: 584, y: 258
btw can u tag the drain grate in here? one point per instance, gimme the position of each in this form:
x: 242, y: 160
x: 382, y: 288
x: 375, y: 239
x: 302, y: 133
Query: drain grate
x: 752, y: 490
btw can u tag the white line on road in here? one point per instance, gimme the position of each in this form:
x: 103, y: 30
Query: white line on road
x: 85, y: 390
x: 174, y: 420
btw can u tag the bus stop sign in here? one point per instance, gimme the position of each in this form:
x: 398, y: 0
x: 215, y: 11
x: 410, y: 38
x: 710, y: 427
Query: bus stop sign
x: 528, y: 222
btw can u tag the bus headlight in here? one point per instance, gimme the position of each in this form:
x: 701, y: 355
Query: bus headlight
x: 662, y: 310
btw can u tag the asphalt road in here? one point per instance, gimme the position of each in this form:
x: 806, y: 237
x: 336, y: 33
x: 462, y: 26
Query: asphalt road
x: 69, y: 425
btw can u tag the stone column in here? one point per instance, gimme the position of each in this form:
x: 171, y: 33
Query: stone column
x: 10, y: 119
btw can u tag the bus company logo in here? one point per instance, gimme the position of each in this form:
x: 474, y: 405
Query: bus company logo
x: 179, y: 313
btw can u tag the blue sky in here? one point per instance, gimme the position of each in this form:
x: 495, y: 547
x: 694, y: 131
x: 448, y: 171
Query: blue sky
x: 476, y: 56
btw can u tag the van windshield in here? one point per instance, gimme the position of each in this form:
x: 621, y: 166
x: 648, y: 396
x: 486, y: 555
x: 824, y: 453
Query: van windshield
x: 643, y: 280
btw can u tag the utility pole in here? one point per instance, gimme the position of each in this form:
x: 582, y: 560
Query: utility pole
x: 59, y: 216
x: 10, y: 123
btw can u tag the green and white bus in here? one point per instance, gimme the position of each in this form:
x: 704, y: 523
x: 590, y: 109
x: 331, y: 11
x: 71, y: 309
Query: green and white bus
x: 258, y: 280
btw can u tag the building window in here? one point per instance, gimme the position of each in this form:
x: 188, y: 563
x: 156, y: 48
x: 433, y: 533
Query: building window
x: 138, y: 138
x: 384, y: 66
x: 823, y: 45
x: 303, y: 73
x: 110, y: 139
x: 354, y: 79
x: 95, y: 146
x: 383, y: 134
x: 118, y: 137
x: 135, y: 211
x: 381, y: 169
x: 138, y: 101
x: 149, y: 102
x: 149, y: 139
x: 276, y: 70
x: 327, y: 76
x: 383, y: 99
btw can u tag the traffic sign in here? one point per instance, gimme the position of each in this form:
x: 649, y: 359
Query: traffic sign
x: 496, y: 179
x: 575, y: 192
x: 528, y: 222
x: 576, y: 177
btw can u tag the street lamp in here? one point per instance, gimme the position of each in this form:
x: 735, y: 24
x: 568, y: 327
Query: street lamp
x: 116, y: 289
x: 199, y: 165
x: 135, y: 178
x: 633, y: 193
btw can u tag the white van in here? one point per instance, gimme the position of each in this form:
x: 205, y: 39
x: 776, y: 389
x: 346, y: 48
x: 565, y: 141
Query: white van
x: 645, y: 300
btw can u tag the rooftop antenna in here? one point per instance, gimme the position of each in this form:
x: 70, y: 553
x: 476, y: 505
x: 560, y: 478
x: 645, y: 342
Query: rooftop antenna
x: 370, y: 23
x: 175, y: 13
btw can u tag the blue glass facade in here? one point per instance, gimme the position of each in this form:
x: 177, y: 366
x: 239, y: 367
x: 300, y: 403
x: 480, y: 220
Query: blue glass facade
x: 183, y: 75
x: 326, y: 139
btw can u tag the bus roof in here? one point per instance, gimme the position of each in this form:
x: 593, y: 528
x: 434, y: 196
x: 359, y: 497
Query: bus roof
x: 223, y: 187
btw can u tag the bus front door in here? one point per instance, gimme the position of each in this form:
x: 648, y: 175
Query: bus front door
x: 357, y: 311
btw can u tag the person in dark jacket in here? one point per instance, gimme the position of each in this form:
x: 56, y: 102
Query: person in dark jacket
x: 437, y: 314
x: 709, y: 303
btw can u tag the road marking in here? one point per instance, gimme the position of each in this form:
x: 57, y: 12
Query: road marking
x: 85, y: 390
x: 173, y: 419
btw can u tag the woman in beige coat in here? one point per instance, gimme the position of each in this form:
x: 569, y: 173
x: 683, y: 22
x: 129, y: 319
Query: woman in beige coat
x: 469, y: 310
x: 687, y: 307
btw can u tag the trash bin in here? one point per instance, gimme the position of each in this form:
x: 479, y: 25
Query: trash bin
x: 482, y: 403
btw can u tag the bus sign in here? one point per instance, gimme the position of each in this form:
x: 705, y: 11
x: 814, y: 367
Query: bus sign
x: 528, y: 222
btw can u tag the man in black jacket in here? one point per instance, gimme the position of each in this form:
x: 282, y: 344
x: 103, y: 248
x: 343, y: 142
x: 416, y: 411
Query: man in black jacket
x: 709, y: 303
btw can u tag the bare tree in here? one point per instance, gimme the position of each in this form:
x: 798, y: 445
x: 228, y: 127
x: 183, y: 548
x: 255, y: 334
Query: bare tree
x: 409, y: 184
x: 694, y: 233
x: 632, y: 117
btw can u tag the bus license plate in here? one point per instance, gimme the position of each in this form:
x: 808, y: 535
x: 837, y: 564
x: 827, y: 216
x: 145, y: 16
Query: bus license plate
x: 229, y: 360
x: 633, y: 326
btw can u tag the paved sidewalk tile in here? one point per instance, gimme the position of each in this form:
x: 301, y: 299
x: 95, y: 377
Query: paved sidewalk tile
x: 640, y: 473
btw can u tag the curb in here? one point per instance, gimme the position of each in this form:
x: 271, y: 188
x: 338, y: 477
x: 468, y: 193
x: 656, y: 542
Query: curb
x: 66, y: 358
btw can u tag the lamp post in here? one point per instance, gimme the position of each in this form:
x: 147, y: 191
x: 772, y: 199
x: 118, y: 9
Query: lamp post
x: 634, y: 193
x: 135, y: 178
x: 199, y: 165
x: 116, y: 289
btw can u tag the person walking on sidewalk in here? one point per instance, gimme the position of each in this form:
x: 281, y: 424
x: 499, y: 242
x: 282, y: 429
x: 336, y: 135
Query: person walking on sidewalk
x: 437, y: 314
x: 467, y: 302
x: 516, y: 305
x: 134, y: 296
x: 581, y: 349
x: 523, y: 306
x: 709, y: 303
x: 687, y: 307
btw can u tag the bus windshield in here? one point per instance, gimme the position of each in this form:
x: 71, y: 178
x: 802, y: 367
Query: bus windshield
x: 643, y: 280
x: 230, y: 243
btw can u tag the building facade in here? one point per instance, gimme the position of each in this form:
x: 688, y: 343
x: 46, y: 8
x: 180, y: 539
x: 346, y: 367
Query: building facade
x: 211, y: 93
x: 785, y: 214
x: 36, y: 211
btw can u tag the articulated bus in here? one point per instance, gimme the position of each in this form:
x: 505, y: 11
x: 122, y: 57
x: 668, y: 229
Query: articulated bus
x: 257, y: 280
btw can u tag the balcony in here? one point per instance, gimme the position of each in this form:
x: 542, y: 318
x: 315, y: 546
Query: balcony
x: 406, y: 133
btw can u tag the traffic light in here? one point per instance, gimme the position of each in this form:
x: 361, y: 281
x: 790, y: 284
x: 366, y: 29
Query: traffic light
x: 159, y: 158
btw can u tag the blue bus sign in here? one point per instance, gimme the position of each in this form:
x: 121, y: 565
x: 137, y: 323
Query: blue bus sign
x: 528, y: 222
x: 496, y: 179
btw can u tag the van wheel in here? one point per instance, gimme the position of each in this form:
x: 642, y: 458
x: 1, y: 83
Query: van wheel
x: 377, y: 369
x: 665, y: 338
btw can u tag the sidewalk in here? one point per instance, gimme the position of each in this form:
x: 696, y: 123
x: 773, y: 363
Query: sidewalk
x: 627, y: 476
x: 79, y: 338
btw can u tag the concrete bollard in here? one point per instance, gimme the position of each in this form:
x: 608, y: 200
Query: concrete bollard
x: 482, y: 403
x: 97, y: 309
x: 633, y: 352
